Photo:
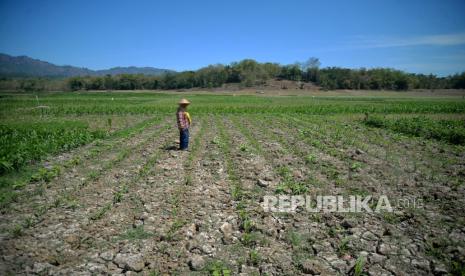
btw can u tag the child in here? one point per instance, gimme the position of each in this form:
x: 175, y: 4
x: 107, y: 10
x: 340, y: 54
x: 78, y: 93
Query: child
x: 184, y: 121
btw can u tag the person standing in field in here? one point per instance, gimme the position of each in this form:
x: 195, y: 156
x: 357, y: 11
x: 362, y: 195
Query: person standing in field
x: 184, y: 121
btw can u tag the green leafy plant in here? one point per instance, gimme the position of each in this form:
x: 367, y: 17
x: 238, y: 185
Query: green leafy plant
x: 294, y: 238
x: 16, y: 231
x: 450, y: 131
x: 254, y: 258
x: 250, y: 239
x: 136, y: 233
x: 101, y: 212
x: 311, y: 159
x: 21, y: 143
x: 217, y: 268
x: 358, y: 267
x: 46, y: 174
x: 343, y: 247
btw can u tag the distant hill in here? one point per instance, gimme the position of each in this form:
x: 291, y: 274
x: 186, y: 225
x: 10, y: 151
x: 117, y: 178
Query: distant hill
x: 133, y: 70
x: 23, y: 66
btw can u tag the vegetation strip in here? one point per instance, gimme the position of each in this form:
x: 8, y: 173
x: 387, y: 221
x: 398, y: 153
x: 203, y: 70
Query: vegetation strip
x: 46, y: 174
x: 92, y: 177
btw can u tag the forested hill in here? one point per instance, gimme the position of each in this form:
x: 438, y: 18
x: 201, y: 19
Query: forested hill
x: 245, y: 73
x: 23, y: 66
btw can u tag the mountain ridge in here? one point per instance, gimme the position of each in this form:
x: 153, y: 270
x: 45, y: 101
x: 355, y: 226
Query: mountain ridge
x: 24, y: 66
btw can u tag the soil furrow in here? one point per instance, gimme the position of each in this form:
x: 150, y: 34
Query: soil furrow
x: 89, y: 199
x: 390, y: 230
x: 137, y: 224
x: 262, y: 234
x: 80, y: 159
x: 73, y: 176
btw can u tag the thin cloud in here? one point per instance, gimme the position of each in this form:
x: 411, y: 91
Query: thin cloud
x: 428, y: 40
x: 372, y: 42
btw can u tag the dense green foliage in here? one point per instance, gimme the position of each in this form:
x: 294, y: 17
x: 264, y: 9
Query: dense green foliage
x: 248, y: 73
x: 451, y: 131
x: 23, y: 142
x: 251, y: 73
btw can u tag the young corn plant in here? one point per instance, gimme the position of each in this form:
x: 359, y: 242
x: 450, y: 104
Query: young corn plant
x: 358, y: 268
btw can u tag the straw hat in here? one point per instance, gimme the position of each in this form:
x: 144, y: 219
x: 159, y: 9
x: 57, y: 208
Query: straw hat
x: 184, y: 101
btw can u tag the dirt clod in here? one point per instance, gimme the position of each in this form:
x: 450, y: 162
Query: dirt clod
x: 196, y: 262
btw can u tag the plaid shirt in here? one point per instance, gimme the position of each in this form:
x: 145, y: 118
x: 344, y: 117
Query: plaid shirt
x: 183, y: 119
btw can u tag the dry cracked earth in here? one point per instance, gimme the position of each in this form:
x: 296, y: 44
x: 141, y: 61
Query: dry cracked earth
x: 136, y: 206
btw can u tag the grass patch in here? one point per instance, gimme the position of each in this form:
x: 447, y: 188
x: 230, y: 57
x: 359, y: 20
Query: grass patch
x: 101, y: 212
x: 136, y: 233
x: 254, y: 258
x: 217, y: 268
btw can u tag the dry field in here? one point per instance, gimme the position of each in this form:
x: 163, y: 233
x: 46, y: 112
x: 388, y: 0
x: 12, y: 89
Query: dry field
x: 124, y: 201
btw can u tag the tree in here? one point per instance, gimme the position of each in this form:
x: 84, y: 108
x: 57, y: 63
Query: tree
x: 108, y: 82
x: 310, y: 67
x: 95, y: 83
x: 30, y: 85
x: 127, y: 82
x: 401, y: 84
x: 250, y: 72
x: 311, y: 63
x: 271, y: 70
x: 291, y: 72
x: 458, y: 81
x: 75, y: 83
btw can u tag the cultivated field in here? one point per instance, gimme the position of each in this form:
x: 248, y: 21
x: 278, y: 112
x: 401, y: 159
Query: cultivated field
x: 91, y: 184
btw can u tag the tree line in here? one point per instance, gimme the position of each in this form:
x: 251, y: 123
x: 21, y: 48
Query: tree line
x: 249, y: 73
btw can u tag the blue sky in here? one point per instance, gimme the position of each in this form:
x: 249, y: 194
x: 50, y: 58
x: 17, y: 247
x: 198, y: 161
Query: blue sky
x: 417, y: 36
